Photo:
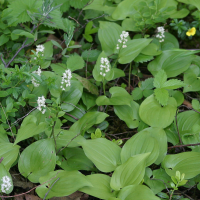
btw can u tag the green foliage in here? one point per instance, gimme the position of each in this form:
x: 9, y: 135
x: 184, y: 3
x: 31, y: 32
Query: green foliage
x: 86, y: 106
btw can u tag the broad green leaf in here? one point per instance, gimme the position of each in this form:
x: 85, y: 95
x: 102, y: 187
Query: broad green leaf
x: 37, y: 159
x: 173, y: 84
x: 172, y: 135
x: 134, y: 47
x: 90, y: 55
x: 160, y: 79
x: 95, y: 5
x: 170, y: 42
x: 147, y: 84
x: 180, y: 13
x: 72, y: 96
x: 62, y: 183
x: 87, y: 84
x: 29, y: 129
x: 9, y: 152
x: 191, y: 79
x: 139, y: 192
x: 69, y: 139
x: 3, y: 39
x: 196, y: 104
x: 59, y: 68
x: 109, y: 33
x: 162, y: 96
x: 89, y: 99
x: 87, y: 121
x: 196, y: 3
x: 101, y: 186
x: 76, y: 159
x: 97, y: 70
x: 186, y: 162
x: 141, y: 58
x: 151, y: 140
x: 75, y: 62
x: 4, y: 93
x: 129, y: 24
x: 6, y: 185
x: 3, y: 135
x: 151, y: 50
x: 137, y: 93
x: 174, y: 62
x: 78, y: 4
x: 178, y: 96
x: 56, y: 44
x: 129, y: 114
x: 153, y: 114
x: 119, y: 96
x: 186, y: 120
x: 124, y: 8
x: 26, y: 34
x: 103, y: 153
x: 129, y: 173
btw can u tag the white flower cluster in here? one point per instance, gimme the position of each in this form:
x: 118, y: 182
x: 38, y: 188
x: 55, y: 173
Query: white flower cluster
x: 123, y: 39
x: 66, y: 79
x: 39, y: 48
x: 160, y: 34
x: 41, y: 104
x: 6, y: 185
x: 104, y: 67
x: 35, y: 82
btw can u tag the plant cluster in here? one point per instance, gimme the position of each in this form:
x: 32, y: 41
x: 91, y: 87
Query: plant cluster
x: 78, y: 75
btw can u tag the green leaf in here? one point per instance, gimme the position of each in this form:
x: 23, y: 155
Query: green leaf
x: 76, y: 159
x: 129, y: 114
x: 101, y: 189
x: 170, y: 42
x: 37, y: 159
x: 72, y: 96
x: 62, y: 183
x: 192, y: 2
x: 134, y: 47
x: 151, y: 140
x: 103, y: 153
x: 129, y: 173
x: 137, y: 93
x: 154, y: 115
x: 3, y: 39
x: 75, y: 62
x: 87, y: 121
x: 89, y: 38
x: 139, y: 192
x: 130, y: 24
x: 162, y: 96
x: 191, y: 79
x: 160, y: 79
x: 78, y: 4
x: 173, y: 62
x: 119, y: 96
x: 178, y: 96
x: 29, y: 128
x: 195, y: 104
x: 141, y: 58
x: 95, y: 5
x: 87, y: 84
x: 59, y: 68
x: 9, y: 154
x: 147, y: 84
x: 5, y: 173
x: 108, y: 34
x: 4, y: 93
x: 90, y: 55
x: 26, y: 34
x: 151, y: 50
x: 56, y: 44
x: 173, y: 84
x: 186, y: 162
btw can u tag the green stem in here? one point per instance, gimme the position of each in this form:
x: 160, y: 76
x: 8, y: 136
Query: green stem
x: 104, y: 91
x: 129, y: 79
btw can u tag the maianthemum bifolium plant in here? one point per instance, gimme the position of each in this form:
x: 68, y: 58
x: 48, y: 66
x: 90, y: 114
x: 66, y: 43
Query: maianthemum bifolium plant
x: 63, y: 98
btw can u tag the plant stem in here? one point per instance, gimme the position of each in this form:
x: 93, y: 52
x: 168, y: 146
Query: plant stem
x: 104, y: 91
x: 129, y: 79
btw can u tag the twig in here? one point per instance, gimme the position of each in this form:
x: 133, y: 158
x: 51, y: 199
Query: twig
x: 3, y: 61
x: 178, y: 129
x: 184, y: 145
x: 68, y: 143
x: 7, y: 121
x: 71, y: 116
x: 50, y: 189
x: 163, y: 183
x: 30, y: 189
x: 75, y: 107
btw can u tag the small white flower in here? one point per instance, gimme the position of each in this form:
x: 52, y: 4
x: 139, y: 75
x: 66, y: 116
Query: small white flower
x: 160, y: 34
x: 41, y: 104
x: 6, y: 185
x: 123, y: 39
x: 35, y: 82
x: 104, y: 67
x: 66, y: 79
